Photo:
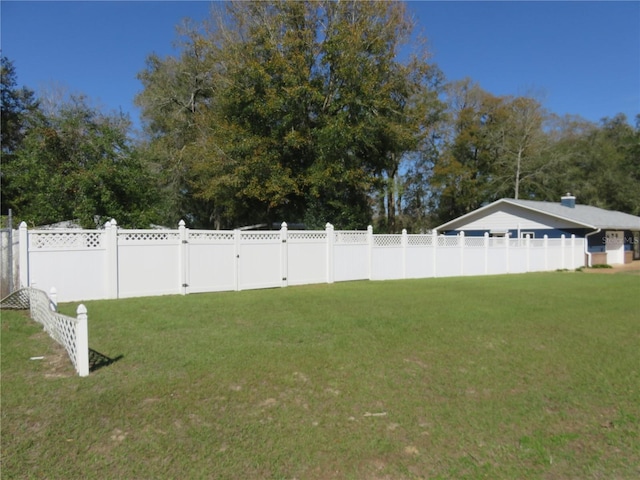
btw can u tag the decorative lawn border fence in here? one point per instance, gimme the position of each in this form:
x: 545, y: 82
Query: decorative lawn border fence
x: 120, y: 263
x: 71, y: 333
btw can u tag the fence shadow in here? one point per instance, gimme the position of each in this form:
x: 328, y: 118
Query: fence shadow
x: 97, y: 360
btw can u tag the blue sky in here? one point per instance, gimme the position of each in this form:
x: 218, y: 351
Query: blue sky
x: 580, y: 58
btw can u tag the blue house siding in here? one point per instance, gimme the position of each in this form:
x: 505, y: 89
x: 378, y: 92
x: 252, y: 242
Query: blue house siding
x: 598, y: 242
x: 519, y: 217
x: 595, y: 243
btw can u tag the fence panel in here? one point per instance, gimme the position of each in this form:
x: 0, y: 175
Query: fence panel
x: 148, y: 263
x: 71, y: 260
x: 387, y: 258
x: 306, y: 257
x: 448, y: 257
x: 577, y: 256
x: 351, y: 256
x: 419, y: 257
x: 474, y: 261
x: 260, y: 262
x: 538, y: 255
x: 518, y: 256
x: 211, y: 261
x: 497, y: 256
x: 555, y: 255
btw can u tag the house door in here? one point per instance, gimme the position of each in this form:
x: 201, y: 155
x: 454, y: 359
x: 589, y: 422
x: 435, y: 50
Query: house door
x: 615, y: 247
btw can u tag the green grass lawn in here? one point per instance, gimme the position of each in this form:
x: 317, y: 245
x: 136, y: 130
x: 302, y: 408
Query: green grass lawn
x: 521, y: 376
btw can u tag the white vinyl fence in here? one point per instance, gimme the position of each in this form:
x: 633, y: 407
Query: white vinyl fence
x: 119, y: 263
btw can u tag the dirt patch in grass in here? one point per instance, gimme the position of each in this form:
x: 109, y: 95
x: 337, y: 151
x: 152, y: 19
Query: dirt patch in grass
x: 55, y: 359
x: 632, y: 268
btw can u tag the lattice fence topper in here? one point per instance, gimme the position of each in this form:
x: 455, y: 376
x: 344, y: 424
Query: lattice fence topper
x: 387, y: 240
x: 356, y: 238
x: 210, y: 236
x: 420, y: 240
x: 448, y: 241
x: 69, y: 332
x: 259, y: 236
x: 310, y: 235
x: 65, y: 240
x: 474, y: 242
x: 147, y: 236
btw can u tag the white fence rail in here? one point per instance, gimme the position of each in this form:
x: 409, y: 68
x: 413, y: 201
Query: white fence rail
x: 119, y: 263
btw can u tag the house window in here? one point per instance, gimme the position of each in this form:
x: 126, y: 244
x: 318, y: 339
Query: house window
x: 527, y: 235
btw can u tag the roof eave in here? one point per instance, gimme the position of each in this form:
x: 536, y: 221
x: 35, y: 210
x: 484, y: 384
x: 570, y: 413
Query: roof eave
x: 455, y: 220
x: 561, y: 217
x: 446, y: 226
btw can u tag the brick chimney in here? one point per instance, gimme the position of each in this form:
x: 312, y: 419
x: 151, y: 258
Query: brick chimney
x: 568, y: 200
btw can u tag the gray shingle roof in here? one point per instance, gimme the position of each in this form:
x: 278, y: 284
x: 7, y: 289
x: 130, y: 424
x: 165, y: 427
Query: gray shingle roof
x: 584, y: 214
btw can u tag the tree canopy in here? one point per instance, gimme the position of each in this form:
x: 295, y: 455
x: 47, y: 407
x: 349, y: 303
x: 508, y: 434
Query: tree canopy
x: 77, y: 163
x: 294, y: 109
x: 304, y: 112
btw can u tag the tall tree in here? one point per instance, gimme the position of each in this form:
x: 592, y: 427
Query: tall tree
x: 78, y: 163
x: 308, y: 108
x: 603, y: 165
x: 461, y: 179
x: 516, y: 134
x: 18, y: 104
x: 175, y: 90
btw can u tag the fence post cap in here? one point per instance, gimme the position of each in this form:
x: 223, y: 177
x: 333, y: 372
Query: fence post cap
x: 23, y: 224
x: 181, y: 223
x: 82, y: 310
x: 283, y: 225
x: 328, y: 225
x: 113, y: 222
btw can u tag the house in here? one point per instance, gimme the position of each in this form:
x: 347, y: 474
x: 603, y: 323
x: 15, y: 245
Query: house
x: 612, y: 237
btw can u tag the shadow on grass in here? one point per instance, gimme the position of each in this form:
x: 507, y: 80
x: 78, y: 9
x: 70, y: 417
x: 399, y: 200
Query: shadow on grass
x: 97, y: 360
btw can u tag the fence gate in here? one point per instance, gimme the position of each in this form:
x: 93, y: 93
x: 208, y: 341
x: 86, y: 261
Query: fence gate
x: 261, y: 263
